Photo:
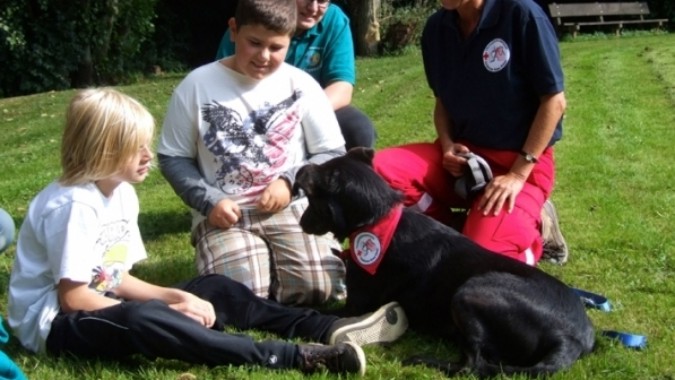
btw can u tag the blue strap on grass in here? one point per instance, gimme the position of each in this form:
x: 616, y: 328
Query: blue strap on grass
x: 593, y: 300
x: 629, y: 340
x: 597, y: 301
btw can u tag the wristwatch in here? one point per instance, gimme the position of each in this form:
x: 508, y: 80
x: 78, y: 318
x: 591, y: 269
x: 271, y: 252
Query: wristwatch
x: 529, y: 157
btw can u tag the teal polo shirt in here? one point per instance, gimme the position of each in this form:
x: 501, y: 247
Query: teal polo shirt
x: 326, y: 51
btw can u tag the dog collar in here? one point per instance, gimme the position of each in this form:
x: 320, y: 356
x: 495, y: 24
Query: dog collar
x: 368, y: 244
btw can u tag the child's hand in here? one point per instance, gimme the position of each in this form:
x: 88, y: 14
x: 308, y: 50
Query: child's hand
x: 225, y: 214
x: 196, y: 308
x: 276, y: 196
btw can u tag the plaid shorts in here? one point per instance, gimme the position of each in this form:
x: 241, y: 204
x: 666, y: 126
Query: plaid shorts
x: 269, y: 253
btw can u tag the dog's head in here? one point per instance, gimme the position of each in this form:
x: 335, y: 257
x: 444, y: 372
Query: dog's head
x: 344, y: 194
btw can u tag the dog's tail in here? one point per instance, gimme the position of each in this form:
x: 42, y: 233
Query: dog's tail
x: 481, y: 368
x: 558, y: 358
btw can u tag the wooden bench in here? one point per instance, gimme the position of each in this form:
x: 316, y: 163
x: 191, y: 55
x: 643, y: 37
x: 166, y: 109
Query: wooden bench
x: 575, y: 15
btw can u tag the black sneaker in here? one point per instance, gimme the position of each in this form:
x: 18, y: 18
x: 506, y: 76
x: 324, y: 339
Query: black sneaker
x: 555, y: 247
x: 339, y: 358
x: 384, y: 325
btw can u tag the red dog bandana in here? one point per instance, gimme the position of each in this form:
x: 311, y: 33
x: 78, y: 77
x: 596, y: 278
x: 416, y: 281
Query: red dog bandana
x: 368, y: 244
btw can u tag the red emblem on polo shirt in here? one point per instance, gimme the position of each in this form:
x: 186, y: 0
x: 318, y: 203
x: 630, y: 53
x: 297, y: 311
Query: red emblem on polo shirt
x: 496, y: 55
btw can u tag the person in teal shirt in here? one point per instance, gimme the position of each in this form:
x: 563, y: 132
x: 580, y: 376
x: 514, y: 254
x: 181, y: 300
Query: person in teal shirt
x: 323, y: 47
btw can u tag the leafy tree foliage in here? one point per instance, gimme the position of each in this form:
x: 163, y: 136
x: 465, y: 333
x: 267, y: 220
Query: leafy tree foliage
x: 59, y: 44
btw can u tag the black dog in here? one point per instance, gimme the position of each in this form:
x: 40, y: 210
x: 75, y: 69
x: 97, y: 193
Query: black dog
x: 507, y: 317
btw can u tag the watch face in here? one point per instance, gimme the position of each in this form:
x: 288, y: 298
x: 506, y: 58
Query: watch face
x: 528, y: 157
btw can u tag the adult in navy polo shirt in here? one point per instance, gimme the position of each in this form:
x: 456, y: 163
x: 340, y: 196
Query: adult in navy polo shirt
x: 494, y: 68
x: 323, y: 47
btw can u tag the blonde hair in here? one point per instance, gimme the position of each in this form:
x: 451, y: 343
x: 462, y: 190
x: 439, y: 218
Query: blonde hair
x: 104, y: 130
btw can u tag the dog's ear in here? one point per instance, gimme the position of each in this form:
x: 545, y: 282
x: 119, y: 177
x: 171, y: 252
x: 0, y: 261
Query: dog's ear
x: 304, y: 183
x: 362, y: 154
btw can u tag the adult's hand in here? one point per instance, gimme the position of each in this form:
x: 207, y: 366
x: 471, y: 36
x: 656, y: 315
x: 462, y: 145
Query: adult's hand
x: 502, y: 190
x: 453, y: 161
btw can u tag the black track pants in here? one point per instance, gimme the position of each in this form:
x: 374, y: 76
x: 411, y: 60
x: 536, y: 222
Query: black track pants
x: 155, y: 330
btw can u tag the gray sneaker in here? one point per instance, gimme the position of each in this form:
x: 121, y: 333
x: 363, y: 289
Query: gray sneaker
x: 384, y: 325
x: 555, y: 247
x: 339, y: 358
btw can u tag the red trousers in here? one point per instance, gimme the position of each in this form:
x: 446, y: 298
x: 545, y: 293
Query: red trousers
x: 416, y: 170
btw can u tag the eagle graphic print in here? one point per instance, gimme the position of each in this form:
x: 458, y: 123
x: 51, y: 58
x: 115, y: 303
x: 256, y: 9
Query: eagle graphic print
x: 249, y: 149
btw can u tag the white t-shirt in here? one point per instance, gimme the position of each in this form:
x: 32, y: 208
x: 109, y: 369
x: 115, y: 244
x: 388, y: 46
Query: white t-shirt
x: 71, y: 233
x: 244, y: 133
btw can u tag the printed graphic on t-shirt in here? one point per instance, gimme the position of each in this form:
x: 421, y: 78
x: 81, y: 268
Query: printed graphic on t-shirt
x: 250, y: 149
x: 113, y: 245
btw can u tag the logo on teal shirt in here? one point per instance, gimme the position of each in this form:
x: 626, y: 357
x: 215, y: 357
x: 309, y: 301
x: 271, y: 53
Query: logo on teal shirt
x: 314, y: 58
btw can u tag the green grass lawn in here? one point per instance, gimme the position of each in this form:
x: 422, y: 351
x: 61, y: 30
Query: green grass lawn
x: 614, y: 193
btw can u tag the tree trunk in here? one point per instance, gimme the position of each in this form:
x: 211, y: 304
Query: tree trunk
x: 366, y: 26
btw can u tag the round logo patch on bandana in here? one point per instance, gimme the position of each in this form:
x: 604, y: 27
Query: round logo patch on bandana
x: 496, y: 55
x: 367, y: 248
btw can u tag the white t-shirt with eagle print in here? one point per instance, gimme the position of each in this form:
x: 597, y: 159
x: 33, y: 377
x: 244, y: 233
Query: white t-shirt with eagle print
x: 243, y: 132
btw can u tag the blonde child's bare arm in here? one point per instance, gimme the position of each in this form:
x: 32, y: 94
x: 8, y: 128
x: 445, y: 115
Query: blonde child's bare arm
x: 133, y: 288
x: 76, y: 296
x: 339, y: 94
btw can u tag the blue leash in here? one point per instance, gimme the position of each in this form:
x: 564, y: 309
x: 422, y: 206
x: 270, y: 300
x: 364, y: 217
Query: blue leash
x: 629, y: 340
x: 593, y: 300
x: 596, y: 301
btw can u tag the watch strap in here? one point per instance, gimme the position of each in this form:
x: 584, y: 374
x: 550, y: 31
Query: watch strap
x: 529, y: 157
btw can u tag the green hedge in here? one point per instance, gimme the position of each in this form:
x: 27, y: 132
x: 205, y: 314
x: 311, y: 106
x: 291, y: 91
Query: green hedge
x: 58, y: 44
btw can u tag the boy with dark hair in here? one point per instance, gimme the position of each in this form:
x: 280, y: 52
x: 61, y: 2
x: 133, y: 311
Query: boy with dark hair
x: 235, y: 133
x: 322, y: 46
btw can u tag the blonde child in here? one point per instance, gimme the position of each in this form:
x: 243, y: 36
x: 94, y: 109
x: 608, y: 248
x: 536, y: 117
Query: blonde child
x: 71, y: 290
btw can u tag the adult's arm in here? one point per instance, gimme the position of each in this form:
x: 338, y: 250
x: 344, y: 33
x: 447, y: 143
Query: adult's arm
x: 550, y: 111
x: 338, y: 72
x: 339, y: 94
x: 452, y: 161
x: 504, y: 189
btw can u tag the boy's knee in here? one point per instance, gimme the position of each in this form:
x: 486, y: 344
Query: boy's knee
x: 323, y: 285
